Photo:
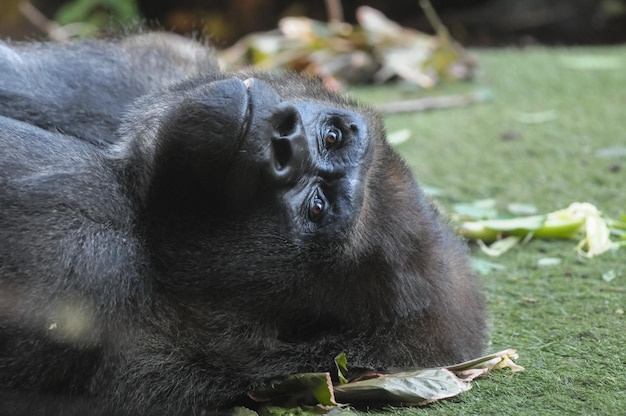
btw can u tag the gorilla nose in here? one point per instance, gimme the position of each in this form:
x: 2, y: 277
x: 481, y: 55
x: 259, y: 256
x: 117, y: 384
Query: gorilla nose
x: 289, y: 153
x: 277, y: 135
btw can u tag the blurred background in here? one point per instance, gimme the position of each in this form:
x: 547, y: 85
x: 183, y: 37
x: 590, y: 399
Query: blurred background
x: 471, y: 22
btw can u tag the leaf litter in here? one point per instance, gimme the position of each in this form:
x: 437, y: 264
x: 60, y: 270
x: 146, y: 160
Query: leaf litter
x: 597, y: 233
x: 316, y: 393
x: 377, y: 49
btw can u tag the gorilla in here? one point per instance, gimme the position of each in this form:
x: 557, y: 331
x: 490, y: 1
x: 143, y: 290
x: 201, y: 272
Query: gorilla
x: 173, y: 235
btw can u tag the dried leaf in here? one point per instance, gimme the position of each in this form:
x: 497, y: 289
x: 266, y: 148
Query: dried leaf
x: 609, y: 276
x: 592, y: 62
x: 413, y: 387
x: 611, y: 152
x: 483, y: 266
x: 537, y: 118
x: 482, y: 209
x: 377, y: 50
x: 597, y: 238
x: 498, y: 360
x: 499, y: 247
x: 548, y: 261
x: 398, y: 137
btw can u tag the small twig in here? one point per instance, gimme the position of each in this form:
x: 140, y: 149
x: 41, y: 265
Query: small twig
x: 433, y: 19
x: 335, y: 11
x: 433, y: 103
x: 47, y: 26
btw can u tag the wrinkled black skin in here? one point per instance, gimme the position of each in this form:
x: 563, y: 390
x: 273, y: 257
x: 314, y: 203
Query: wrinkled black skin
x: 174, y: 214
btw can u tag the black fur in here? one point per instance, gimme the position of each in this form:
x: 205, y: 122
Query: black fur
x: 172, y: 235
x: 82, y: 89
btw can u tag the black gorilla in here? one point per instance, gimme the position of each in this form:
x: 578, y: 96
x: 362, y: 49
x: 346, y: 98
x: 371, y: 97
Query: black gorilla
x: 172, y: 235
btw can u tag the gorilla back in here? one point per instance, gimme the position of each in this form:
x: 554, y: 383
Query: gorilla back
x: 239, y: 226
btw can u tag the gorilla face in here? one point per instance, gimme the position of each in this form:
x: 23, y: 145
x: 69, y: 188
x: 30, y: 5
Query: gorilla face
x: 247, y: 148
x: 307, y: 157
x: 243, y: 155
x: 258, y: 180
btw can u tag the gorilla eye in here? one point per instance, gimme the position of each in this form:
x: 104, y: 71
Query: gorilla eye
x: 333, y: 137
x: 317, y: 207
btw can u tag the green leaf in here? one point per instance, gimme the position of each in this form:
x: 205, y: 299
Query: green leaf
x: 517, y: 226
x: 341, y: 362
x: 298, y: 387
x: 300, y: 411
x: 243, y: 411
x: 580, y: 219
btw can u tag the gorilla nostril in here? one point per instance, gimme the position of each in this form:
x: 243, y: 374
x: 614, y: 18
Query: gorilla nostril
x: 282, y: 153
x: 289, y: 147
x: 288, y: 124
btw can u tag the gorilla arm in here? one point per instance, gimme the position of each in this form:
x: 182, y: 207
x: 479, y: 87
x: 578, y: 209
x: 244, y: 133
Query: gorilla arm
x: 82, y: 89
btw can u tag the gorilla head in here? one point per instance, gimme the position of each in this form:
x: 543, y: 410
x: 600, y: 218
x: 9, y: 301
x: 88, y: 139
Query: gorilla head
x: 240, y: 226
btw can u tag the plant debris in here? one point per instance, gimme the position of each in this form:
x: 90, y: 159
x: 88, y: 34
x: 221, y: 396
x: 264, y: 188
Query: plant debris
x: 375, y: 50
x: 435, y: 103
x: 315, y: 393
x: 480, y: 222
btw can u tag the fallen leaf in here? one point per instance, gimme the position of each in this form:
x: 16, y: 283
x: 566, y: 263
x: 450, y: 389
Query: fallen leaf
x: 499, y: 247
x: 409, y: 387
x: 592, y: 62
x: 517, y: 208
x: 376, y: 50
x: 537, y: 117
x: 341, y: 363
x: 413, y: 387
x: 579, y: 219
x: 611, y: 152
x: 484, y: 267
x: 609, y: 276
x: 548, y: 262
x: 298, y: 387
x: 481, y: 209
x: 399, y: 136
x: 497, y: 360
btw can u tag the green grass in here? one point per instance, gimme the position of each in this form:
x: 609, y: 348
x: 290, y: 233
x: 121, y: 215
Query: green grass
x: 564, y: 320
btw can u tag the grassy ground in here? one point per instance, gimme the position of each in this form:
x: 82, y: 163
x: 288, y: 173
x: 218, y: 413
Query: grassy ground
x: 566, y: 322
